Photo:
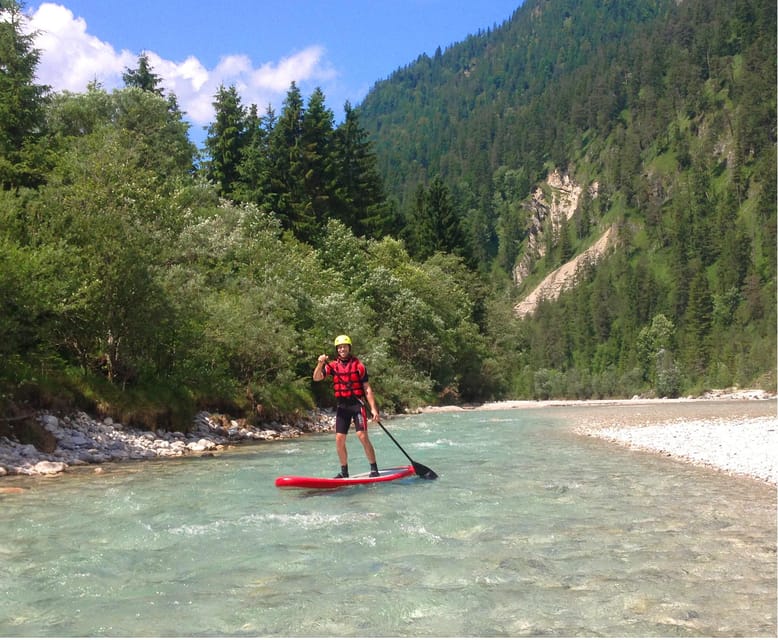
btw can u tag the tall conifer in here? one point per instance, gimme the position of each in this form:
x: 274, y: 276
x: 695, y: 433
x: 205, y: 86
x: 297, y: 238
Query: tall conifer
x: 360, y: 198
x: 318, y: 166
x: 143, y: 77
x: 226, y: 139
x: 22, y: 102
x: 286, y: 161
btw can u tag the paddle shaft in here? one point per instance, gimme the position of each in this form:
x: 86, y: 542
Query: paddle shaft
x: 399, y: 446
x: 420, y: 469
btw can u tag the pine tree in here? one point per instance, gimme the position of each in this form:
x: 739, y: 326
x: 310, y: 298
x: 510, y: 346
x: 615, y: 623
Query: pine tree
x: 22, y: 102
x: 360, y: 202
x: 437, y: 226
x: 318, y: 167
x: 286, y: 168
x: 697, y: 322
x: 226, y: 140
x: 253, y: 169
x: 565, y: 243
x: 143, y: 77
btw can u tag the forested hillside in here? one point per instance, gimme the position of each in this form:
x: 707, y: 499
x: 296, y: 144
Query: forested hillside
x: 663, y: 112
x: 147, y: 279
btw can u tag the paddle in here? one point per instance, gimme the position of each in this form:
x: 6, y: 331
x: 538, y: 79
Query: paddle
x: 420, y: 469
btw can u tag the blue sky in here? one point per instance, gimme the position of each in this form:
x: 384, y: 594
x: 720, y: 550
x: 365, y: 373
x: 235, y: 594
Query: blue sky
x: 260, y: 46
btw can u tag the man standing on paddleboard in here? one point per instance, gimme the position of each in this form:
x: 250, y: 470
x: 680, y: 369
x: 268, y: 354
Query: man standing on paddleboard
x: 352, y: 388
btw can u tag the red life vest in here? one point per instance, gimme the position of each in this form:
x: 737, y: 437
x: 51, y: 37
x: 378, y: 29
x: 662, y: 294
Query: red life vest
x: 348, y: 377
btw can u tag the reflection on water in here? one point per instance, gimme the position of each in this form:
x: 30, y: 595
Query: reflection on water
x: 528, y: 531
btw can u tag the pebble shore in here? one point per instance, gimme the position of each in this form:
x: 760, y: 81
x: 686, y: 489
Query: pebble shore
x: 736, y: 432
x: 746, y: 446
x: 81, y: 440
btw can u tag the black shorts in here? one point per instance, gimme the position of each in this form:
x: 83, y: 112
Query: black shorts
x: 348, y: 413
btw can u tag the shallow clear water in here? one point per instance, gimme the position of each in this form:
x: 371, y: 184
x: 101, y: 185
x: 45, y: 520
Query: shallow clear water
x: 529, y: 530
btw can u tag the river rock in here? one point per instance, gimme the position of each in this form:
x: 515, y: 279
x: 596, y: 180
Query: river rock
x: 201, y: 445
x: 45, y: 467
x: 80, y: 441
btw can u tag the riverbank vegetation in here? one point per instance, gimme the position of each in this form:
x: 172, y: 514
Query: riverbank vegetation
x: 146, y: 279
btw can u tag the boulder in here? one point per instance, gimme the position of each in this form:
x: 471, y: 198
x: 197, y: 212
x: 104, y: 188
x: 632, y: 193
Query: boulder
x: 46, y: 467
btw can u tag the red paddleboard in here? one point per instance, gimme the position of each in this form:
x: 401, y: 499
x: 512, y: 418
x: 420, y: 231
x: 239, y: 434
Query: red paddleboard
x: 304, y: 482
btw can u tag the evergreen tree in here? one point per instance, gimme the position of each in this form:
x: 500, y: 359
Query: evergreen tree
x: 286, y: 167
x: 317, y: 166
x: 734, y: 249
x: 510, y: 190
x: 582, y: 219
x: 436, y: 227
x: 253, y: 169
x: 360, y: 202
x: 159, y: 136
x: 146, y: 80
x: 143, y: 77
x: 226, y: 140
x: 697, y: 323
x: 22, y: 102
x: 767, y: 219
x: 565, y: 243
x: 478, y: 226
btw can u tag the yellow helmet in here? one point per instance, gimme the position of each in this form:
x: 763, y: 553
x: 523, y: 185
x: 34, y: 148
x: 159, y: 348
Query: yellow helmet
x: 342, y: 340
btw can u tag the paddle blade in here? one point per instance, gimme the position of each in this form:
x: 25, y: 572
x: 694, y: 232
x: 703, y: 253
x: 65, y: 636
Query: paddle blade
x: 420, y: 469
x: 424, y: 472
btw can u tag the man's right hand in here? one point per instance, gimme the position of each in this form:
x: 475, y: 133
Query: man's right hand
x: 318, y: 372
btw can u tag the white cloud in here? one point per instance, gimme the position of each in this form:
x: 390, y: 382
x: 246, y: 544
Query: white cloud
x: 71, y: 58
x: 305, y: 64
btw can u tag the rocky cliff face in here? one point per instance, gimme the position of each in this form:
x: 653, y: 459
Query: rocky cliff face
x: 564, y: 277
x: 552, y: 204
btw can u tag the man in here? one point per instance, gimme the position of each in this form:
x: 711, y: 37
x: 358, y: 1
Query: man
x: 352, y: 388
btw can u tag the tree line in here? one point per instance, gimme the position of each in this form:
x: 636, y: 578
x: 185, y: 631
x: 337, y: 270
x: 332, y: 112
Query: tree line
x: 308, y: 171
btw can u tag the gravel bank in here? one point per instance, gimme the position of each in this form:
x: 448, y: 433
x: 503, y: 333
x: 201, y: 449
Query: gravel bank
x: 744, y: 446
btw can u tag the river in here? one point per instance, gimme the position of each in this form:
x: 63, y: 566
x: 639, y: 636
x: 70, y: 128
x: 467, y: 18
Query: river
x: 529, y: 530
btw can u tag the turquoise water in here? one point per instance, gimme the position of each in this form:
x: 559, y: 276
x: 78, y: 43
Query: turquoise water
x: 528, y: 531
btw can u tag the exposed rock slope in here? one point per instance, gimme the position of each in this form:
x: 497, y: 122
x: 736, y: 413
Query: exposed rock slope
x: 565, y: 276
x: 551, y: 205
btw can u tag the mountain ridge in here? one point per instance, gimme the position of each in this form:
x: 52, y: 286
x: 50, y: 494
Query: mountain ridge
x: 669, y: 109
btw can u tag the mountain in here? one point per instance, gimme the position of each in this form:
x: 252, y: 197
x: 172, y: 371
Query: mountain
x: 661, y: 114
